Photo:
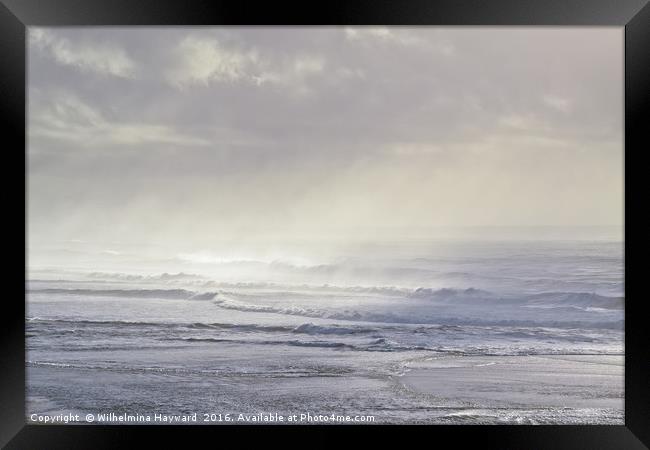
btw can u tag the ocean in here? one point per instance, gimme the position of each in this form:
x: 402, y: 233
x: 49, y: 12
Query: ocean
x: 460, y: 331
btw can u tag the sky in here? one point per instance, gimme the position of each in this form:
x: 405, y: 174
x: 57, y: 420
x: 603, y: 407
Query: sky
x: 199, y: 136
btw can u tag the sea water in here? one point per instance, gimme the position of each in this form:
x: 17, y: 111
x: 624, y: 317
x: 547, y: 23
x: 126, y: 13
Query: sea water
x: 470, y: 331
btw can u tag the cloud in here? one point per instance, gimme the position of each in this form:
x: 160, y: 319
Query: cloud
x: 396, y: 36
x: 205, y: 61
x: 201, y: 61
x: 296, y: 74
x: 380, y: 34
x: 68, y: 118
x: 103, y: 59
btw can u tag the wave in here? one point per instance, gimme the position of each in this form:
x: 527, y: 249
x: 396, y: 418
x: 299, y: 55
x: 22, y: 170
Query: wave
x: 297, y: 343
x: 375, y: 345
x: 132, y: 277
x: 414, y: 318
x: 305, y: 328
x: 456, y: 339
x: 421, y: 306
x: 560, y: 299
x: 236, y: 372
x: 120, y: 323
x: 576, y: 299
x: 176, y: 294
x: 450, y: 294
x: 468, y: 296
x: 309, y: 328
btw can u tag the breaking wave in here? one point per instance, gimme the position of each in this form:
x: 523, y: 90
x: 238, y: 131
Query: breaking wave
x: 418, y: 318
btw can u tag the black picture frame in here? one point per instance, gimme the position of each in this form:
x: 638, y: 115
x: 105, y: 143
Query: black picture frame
x: 16, y: 15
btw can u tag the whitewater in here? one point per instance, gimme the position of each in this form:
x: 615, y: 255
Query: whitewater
x: 483, y: 332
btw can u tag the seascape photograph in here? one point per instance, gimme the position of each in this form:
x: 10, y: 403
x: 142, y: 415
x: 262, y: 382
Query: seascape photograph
x: 325, y: 225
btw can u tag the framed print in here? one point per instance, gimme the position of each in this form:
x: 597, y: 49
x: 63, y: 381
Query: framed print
x: 357, y: 217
